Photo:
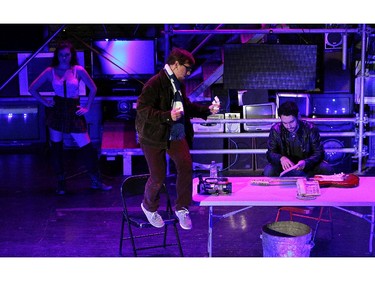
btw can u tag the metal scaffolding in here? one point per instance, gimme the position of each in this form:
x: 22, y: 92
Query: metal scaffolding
x: 360, y: 121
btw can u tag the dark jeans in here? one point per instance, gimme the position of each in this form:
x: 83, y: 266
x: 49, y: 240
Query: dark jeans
x: 322, y: 169
x: 156, y: 160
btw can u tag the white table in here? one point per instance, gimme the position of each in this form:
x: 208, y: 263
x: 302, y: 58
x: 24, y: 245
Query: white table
x: 247, y: 195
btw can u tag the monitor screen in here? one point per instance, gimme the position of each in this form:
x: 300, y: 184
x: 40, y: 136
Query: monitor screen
x: 302, y: 101
x: 35, y: 67
x: 123, y: 58
x: 332, y: 104
x: 21, y: 123
x: 259, y: 111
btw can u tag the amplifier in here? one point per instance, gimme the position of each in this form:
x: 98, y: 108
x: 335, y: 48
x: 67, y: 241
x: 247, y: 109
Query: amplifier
x: 232, y: 127
x: 209, y: 127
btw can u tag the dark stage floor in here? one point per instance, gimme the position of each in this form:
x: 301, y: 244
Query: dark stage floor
x: 84, y: 223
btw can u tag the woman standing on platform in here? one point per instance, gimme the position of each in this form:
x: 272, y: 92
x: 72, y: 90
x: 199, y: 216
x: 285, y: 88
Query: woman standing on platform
x: 65, y: 114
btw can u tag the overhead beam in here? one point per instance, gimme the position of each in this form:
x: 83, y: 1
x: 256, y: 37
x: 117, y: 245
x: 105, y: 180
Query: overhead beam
x: 207, y: 83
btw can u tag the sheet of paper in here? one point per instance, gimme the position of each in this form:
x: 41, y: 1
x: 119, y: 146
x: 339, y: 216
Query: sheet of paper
x: 288, y: 170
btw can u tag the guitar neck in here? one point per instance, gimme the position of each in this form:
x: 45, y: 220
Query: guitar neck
x: 276, y: 181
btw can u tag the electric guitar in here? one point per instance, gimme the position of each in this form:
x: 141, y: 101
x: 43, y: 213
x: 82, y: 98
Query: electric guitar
x: 336, y: 180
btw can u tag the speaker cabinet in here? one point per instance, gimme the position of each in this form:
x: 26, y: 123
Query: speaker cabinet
x: 335, y: 78
x: 340, y: 161
x: 260, y: 159
x: 333, y: 41
x: 247, y: 161
x: 241, y: 161
x: 123, y: 108
x: 207, y: 143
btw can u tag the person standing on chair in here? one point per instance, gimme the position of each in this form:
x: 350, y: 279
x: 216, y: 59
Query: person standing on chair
x: 163, y: 126
x: 64, y: 114
x: 295, y: 143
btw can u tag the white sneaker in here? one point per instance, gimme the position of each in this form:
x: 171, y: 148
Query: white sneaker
x: 153, y: 217
x: 184, y: 218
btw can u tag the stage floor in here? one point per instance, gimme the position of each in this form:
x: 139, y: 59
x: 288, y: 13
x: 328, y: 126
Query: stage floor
x: 84, y: 223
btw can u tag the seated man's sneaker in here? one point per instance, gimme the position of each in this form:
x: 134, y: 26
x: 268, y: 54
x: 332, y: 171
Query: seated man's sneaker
x: 153, y: 217
x: 184, y: 218
x: 100, y: 186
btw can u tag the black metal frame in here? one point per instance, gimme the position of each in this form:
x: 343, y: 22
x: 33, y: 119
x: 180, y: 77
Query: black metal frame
x: 134, y: 186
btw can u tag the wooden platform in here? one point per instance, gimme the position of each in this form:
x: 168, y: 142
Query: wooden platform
x: 118, y: 135
x: 119, y: 138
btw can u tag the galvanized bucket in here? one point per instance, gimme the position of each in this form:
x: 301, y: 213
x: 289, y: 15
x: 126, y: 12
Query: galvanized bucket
x: 286, y: 239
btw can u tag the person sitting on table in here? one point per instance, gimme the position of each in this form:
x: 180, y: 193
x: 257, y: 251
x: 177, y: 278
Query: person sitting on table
x: 295, y: 143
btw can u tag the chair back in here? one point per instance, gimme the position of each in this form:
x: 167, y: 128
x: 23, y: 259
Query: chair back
x: 132, y: 192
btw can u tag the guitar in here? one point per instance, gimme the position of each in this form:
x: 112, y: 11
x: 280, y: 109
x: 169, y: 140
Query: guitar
x: 337, y: 180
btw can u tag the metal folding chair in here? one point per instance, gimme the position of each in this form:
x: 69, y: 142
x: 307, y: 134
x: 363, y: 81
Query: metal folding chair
x: 138, y: 227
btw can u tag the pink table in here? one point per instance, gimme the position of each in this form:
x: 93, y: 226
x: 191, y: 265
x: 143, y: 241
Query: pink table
x: 247, y: 195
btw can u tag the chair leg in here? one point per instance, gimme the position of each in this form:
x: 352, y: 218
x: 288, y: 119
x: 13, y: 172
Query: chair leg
x: 132, y: 240
x: 318, y: 218
x: 278, y: 215
x: 130, y: 235
x: 178, y: 240
x: 165, y: 236
x: 291, y: 216
x: 321, y: 219
x: 329, y: 210
x: 122, y: 235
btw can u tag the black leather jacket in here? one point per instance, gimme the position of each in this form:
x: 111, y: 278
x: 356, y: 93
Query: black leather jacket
x: 305, y: 145
x: 153, y: 120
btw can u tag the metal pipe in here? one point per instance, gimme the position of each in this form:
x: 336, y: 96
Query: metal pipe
x: 344, y: 50
x: 32, y: 56
x: 265, y: 135
x: 205, y: 40
x: 166, y: 42
x: 266, y: 31
x: 259, y: 151
x: 362, y: 98
x: 269, y: 120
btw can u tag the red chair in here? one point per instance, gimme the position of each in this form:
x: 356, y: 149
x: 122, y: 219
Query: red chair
x: 324, y: 215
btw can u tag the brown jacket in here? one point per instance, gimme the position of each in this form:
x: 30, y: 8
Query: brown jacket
x: 153, y: 121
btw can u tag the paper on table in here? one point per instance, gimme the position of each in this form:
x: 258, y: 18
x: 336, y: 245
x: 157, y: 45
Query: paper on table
x: 288, y: 170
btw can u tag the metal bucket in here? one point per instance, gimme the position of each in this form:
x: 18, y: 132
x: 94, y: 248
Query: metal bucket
x: 286, y: 239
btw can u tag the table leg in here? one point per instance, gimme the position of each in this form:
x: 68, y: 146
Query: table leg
x: 369, y: 218
x: 371, y: 229
x: 210, y: 227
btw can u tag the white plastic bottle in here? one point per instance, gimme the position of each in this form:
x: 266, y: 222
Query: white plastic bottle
x: 213, y: 170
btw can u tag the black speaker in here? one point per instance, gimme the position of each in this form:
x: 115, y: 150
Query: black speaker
x: 121, y: 109
x: 333, y: 40
x: 241, y: 161
x: 260, y: 159
x: 340, y: 161
x: 335, y: 78
x: 205, y: 159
